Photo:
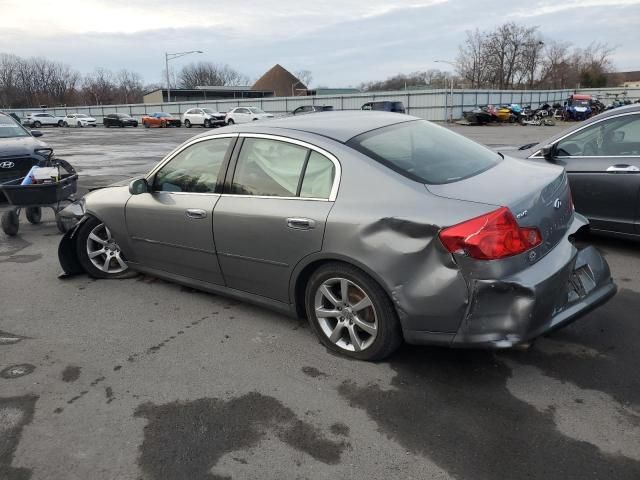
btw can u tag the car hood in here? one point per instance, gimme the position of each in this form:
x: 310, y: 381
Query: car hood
x: 19, y: 145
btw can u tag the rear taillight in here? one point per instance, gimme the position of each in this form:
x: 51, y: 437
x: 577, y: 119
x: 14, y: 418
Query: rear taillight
x: 490, y: 237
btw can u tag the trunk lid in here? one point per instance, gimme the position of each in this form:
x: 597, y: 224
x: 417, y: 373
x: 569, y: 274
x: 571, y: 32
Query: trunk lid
x: 538, y: 195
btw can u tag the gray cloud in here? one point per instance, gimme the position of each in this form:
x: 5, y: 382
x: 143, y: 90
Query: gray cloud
x: 341, y: 49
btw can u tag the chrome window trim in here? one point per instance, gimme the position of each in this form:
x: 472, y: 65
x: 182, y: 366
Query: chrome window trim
x: 537, y: 154
x: 184, y: 146
x: 332, y: 158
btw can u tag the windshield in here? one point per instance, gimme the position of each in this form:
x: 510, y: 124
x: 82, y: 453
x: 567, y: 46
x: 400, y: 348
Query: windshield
x: 162, y: 115
x: 580, y: 103
x: 425, y: 152
x: 80, y: 115
x: 256, y: 110
x: 10, y: 129
x: 123, y: 115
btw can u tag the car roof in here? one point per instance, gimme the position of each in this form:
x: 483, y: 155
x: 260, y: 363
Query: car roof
x: 340, y: 126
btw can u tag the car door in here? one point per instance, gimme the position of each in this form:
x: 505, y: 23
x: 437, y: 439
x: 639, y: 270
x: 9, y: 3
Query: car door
x: 242, y: 115
x: 272, y: 212
x: 171, y: 226
x: 603, y: 163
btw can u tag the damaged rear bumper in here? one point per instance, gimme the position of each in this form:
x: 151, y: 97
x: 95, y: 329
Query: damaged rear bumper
x: 562, y: 287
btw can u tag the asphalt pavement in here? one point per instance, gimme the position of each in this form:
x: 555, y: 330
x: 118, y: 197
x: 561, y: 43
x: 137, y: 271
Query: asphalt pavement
x: 141, y: 378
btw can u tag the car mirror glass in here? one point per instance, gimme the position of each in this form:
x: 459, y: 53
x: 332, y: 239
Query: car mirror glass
x: 36, y: 133
x: 138, y: 186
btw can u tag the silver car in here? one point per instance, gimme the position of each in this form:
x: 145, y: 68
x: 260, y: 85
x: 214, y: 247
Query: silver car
x: 375, y: 226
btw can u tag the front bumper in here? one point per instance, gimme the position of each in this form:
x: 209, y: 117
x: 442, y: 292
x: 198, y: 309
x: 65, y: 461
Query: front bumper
x: 562, y: 287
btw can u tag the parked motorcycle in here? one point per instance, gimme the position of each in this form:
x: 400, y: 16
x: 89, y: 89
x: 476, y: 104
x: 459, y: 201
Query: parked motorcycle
x: 481, y: 115
x: 537, y: 117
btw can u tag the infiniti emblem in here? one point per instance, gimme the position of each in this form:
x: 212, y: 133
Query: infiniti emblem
x: 557, y: 204
x: 6, y: 164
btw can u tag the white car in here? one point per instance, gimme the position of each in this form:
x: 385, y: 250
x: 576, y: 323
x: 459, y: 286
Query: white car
x: 203, y: 116
x: 37, y: 120
x: 79, y: 120
x: 245, y: 115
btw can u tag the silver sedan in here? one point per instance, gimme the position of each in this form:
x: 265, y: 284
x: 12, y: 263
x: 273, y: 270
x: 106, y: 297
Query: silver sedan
x: 377, y: 227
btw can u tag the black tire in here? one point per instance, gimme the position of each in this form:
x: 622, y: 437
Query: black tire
x: 187, y: 123
x: 65, y: 124
x: 121, y: 125
x: 207, y: 123
x: 34, y: 215
x: 145, y: 124
x: 230, y: 121
x: 79, y: 125
x: 10, y: 223
x: 60, y: 123
x: 106, y: 125
x: 81, y: 251
x: 389, y: 334
x: 36, y: 124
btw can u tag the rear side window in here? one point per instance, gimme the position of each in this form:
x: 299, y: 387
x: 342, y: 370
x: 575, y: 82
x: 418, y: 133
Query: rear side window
x: 280, y: 169
x: 425, y: 152
x: 195, y: 169
x: 268, y: 167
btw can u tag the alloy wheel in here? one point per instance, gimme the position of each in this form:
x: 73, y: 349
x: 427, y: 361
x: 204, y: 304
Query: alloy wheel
x: 103, y: 251
x: 346, y: 314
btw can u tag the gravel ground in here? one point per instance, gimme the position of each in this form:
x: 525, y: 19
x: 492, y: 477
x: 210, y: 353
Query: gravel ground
x: 140, y: 378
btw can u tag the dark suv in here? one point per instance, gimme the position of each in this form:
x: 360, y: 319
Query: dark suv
x: 19, y: 150
x: 385, y: 106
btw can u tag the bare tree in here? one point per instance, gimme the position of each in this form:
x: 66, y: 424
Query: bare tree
x: 305, y: 76
x: 129, y: 85
x: 209, y: 74
x: 99, y: 87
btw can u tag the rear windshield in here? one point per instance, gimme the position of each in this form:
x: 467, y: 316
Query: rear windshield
x: 425, y: 152
x: 10, y: 129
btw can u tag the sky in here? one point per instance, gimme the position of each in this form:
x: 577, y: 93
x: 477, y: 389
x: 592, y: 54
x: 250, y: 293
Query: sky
x: 342, y: 42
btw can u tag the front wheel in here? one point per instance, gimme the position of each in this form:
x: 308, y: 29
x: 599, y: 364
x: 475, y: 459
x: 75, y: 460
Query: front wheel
x: 351, y: 314
x: 79, y: 125
x: 37, y: 124
x: 98, y: 253
x: 145, y: 124
x: 10, y: 223
x: 65, y: 124
x: 207, y: 123
x: 60, y: 123
x: 230, y: 121
x: 187, y: 123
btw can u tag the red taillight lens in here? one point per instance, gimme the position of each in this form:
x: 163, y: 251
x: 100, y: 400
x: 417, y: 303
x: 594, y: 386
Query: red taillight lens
x: 490, y: 237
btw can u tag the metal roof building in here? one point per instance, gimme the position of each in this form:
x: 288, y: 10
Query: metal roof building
x: 205, y: 93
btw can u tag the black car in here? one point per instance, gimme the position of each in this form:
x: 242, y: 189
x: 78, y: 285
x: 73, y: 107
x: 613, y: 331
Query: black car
x: 602, y: 158
x: 385, y: 106
x: 119, y: 120
x: 312, y: 109
x: 19, y: 150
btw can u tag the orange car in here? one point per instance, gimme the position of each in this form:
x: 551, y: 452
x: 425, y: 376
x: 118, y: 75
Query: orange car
x: 160, y: 119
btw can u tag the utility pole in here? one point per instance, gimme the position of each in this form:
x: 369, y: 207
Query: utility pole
x: 173, y: 56
x: 451, y: 89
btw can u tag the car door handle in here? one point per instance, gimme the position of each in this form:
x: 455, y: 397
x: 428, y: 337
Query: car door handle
x: 195, y: 213
x: 300, y: 223
x: 623, y: 169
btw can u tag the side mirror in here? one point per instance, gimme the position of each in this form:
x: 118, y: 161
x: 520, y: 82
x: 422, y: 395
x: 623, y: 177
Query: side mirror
x: 36, y: 133
x: 138, y: 186
x: 548, y: 152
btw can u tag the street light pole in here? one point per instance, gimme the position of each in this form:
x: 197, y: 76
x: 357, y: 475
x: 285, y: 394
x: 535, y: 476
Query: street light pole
x: 451, y: 89
x: 173, y: 56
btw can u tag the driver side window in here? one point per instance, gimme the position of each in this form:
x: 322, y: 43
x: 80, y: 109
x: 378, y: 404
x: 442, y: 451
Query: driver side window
x: 195, y: 169
x: 618, y: 136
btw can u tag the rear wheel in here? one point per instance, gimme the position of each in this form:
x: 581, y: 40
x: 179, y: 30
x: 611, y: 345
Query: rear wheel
x: 98, y: 253
x: 187, y: 123
x: 67, y: 125
x: 145, y: 124
x: 207, y: 123
x: 34, y: 215
x: 60, y: 123
x: 79, y: 124
x: 37, y: 124
x: 351, y: 314
x: 10, y: 223
x: 230, y: 121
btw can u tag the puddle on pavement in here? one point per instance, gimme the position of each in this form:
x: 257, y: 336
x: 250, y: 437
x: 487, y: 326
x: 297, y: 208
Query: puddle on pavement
x: 15, y: 413
x: 187, y: 439
x: 17, y: 371
x: 9, y: 338
x: 71, y: 373
x: 454, y: 408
